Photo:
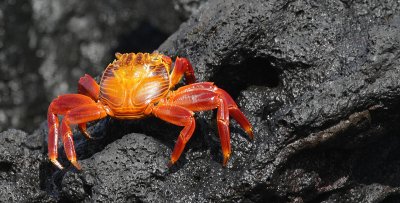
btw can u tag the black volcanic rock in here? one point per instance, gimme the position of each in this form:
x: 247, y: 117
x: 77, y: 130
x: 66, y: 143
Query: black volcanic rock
x: 21, y: 164
x: 129, y: 169
x: 318, y: 80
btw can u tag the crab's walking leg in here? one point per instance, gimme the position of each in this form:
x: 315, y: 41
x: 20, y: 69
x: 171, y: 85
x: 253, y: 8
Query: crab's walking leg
x: 60, y: 106
x: 182, y: 67
x: 223, y: 129
x: 80, y: 114
x: 178, y: 116
x: 89, y: 87
x: 83, y: 129
x: 53, y: 123
x: 206, y: 96
x: 235, y: 112
x: 205, y: 99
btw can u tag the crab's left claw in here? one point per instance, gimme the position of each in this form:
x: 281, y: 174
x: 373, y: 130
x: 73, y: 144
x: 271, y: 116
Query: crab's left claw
x: 89, y: 87
x: 182, y: 67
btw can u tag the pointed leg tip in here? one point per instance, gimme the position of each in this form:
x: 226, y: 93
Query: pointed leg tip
x: 251, y: 134
x: 87, y: 136
x: 56, y: 163
x: 171, y: 163
x: 225, y: 160
x: 76, y: 164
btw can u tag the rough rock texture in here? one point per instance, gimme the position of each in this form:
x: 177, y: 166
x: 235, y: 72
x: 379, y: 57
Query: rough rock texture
x: 21, y: 167
x: 47, y: 45
x: 319, y: 81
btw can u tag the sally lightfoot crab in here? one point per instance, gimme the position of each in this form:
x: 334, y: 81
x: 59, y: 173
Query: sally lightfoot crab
x: 135, y: 86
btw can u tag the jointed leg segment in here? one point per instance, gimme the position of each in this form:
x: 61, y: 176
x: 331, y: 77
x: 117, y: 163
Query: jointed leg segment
x: 52, y: 143
x: 202, y: 97
x: 77, y: 109
x: 223, y: 129
x: 235, y: 112
x: 179, y: 116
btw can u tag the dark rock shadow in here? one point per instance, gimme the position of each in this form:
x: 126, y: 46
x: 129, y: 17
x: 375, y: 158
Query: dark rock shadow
x: 366, y: 155
x: 249, y: 72
x: 146, y: 38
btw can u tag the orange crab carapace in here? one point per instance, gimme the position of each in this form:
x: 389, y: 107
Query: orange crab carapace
x: 139, y: 85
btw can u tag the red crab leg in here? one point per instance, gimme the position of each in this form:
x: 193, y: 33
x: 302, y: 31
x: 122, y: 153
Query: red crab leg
x: 178, y: 116
x: 234, y: 110
x: 60, y: 106
x: 89, y: 87
x: 204, y: 99
x: 223, y: 129
x: 80, y: 114
x: 53, y: 123
x: 206, y: 96
x: 83, y: 130
x: 182, y: 67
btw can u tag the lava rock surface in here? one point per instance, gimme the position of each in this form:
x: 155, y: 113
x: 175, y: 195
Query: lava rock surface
x: 319, y: 81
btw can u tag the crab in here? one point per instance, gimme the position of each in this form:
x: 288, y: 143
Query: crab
x: 137, y: 85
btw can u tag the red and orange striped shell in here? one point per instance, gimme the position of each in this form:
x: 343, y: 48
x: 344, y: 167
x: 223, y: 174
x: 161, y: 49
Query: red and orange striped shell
x: 133, y: 81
